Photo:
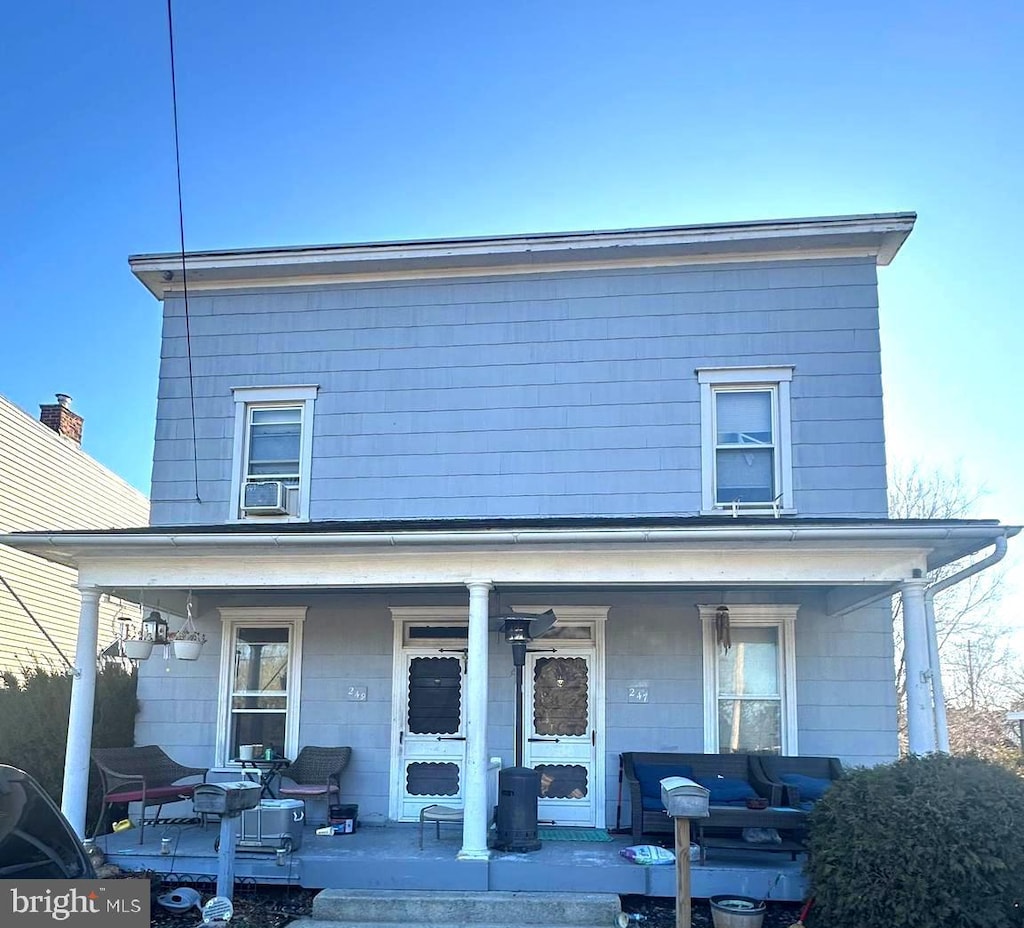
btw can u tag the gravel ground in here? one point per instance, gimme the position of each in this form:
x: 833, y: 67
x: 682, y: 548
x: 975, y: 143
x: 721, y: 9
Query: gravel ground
x: 276, y: 907
x: 258, y: 908
x: 661, y: 913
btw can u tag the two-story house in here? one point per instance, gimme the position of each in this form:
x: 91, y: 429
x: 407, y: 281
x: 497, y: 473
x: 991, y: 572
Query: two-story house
x: 366, y: 454
x: 50, y: 482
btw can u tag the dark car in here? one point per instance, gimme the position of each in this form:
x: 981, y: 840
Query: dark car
x: 36, y: 841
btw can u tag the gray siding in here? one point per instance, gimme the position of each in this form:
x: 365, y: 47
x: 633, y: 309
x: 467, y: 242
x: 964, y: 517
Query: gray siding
x: 844, y: 680
x: 567, y: 394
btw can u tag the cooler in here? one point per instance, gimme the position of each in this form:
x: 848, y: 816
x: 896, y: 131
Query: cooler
x: 273, y: 824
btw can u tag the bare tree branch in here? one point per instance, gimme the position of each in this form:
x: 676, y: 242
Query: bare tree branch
x: 977, y: 666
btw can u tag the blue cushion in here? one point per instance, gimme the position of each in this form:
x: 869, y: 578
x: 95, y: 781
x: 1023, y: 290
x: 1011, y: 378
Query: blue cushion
x: 727, y: 791
x: 651, y: 775
x: 811, y: 788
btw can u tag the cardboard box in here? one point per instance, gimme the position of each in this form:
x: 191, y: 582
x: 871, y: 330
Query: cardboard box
x: 342, y: 828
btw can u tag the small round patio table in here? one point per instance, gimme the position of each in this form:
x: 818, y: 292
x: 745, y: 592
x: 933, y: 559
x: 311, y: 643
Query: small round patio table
x: 264, y: 770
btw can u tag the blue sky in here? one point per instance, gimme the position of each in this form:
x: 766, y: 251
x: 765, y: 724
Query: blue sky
x: 331, y: 122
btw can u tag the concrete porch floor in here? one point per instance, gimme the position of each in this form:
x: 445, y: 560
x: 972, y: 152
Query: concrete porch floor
x: 387, y: 857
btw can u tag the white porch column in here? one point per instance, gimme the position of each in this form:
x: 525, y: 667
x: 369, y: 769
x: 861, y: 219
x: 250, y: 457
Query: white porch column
x: 83, y: 697
x: 474, y: 826
x: 920, y: 715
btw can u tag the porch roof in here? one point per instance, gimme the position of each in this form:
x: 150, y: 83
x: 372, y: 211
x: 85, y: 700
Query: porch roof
x: 743, y: 551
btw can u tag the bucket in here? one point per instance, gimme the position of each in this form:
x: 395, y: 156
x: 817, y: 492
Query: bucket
x: 345, y: 815
x: 737, y: 912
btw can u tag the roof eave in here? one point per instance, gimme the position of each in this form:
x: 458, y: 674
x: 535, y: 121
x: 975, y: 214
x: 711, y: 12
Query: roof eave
x: 947, y: 542
x: 877, y: 235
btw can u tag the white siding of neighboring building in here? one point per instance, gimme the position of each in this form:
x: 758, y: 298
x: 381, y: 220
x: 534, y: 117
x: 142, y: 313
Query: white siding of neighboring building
x: 48, y: 482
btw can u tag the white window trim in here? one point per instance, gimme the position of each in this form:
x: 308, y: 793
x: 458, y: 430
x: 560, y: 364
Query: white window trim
x: 776, y: 379
x: 782, y: 617
x: 246, y: 397
x: 234, y: 617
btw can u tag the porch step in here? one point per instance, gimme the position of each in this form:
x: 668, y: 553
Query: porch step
x: 351, y: 908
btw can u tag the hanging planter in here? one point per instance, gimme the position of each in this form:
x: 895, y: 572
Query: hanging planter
x: 187, y: 649
x: 188, y: 641
x: 136, y: 649
x: 137, y: 640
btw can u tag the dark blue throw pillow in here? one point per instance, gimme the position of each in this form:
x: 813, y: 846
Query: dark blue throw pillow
x: 727, y: 790
x: 811, y: 788
x: 650, y: 777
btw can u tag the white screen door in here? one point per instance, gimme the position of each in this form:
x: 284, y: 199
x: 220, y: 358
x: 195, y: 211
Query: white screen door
x: 432, y: 738
x: 561, y: 736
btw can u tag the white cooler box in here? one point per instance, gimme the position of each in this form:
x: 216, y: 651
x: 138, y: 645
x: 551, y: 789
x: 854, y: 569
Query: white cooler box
x: 273, y: 824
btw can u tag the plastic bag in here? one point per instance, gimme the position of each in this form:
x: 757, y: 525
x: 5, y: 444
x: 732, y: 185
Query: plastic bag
x: 761, y: 836
x: 649, y: 854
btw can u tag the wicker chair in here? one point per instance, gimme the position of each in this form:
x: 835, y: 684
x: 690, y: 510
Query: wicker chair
x: 316, y: 774
x: 142, y: 774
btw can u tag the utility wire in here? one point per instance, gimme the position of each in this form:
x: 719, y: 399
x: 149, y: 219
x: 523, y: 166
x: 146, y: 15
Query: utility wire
x: 184, y: 269
x: 35, y: 621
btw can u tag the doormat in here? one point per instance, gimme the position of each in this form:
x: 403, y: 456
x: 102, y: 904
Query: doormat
x: 564, y: 833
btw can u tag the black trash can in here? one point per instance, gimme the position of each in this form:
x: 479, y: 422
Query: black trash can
x: 516, y: 821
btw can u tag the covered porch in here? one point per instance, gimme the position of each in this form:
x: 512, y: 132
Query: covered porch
x: 638, y: 601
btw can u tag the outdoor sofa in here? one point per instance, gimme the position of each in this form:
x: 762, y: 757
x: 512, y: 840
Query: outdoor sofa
x: 731, y: 780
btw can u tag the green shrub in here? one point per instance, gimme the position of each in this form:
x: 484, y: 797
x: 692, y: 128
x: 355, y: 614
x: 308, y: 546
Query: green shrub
x: 925, y: 842
x: 34, y: 710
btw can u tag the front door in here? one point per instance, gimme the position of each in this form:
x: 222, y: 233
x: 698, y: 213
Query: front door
x: 560, y: 694
x: 431, y: 732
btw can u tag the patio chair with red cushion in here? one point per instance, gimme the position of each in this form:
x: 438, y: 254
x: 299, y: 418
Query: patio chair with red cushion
x: 142, y: 774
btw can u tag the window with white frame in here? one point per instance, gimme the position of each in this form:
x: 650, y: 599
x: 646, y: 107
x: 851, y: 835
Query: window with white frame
x: 272, y: 452
x: 746, y: 453
x: 749, y: 679
x: 259, y: 679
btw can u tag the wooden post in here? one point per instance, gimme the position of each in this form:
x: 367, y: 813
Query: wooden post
x: 226, y: 856
x: 683, y: 915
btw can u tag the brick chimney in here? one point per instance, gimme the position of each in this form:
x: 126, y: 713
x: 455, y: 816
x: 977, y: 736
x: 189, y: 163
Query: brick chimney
x: 59, y: 417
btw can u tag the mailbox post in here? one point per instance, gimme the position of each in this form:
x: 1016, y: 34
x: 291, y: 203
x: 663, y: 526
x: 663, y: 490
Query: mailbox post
x: 683, y: 799
x: 228, y: 800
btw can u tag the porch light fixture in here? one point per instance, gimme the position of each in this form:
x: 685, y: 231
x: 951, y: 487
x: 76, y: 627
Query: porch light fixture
x: 520, y: 628
x: 154, y: 628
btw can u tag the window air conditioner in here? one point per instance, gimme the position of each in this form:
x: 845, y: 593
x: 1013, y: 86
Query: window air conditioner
x: 265, y: 498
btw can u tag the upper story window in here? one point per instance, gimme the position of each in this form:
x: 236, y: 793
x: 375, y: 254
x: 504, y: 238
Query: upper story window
x: 746, y: 452
x: 274, y: 443
x: 272, y: 452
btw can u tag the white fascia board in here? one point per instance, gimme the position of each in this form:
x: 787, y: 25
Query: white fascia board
x: 876, y: 235
x: 562, y: 567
